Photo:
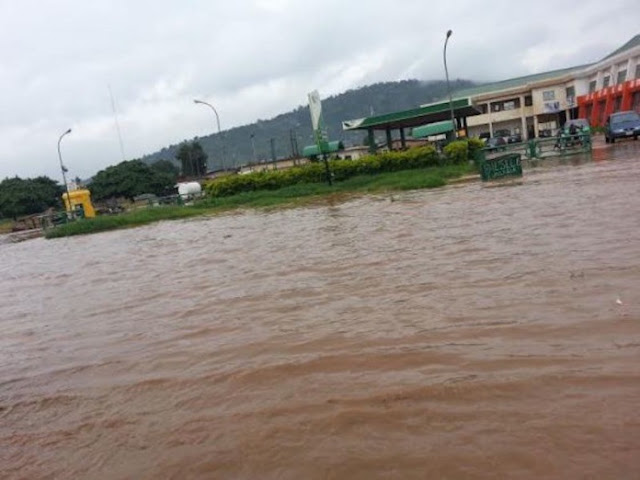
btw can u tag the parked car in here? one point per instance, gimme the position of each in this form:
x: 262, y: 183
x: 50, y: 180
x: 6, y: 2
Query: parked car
x: 495, y: 143
x: 515, y: 138
x: 622, y: 125
x: 503, y: 132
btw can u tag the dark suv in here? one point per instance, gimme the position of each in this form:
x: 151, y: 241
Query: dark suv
x: 622, y: 125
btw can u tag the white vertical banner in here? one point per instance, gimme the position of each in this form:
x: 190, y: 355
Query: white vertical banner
x: 315, y: 108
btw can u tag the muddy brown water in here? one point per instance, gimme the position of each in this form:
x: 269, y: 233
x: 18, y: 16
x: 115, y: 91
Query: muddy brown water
x: 465, y: 332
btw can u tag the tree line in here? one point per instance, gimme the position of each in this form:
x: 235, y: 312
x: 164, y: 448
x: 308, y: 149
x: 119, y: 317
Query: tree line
x: 128, y: 179
x: 19, y: 197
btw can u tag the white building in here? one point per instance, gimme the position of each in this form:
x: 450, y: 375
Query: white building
x: 537, y: 104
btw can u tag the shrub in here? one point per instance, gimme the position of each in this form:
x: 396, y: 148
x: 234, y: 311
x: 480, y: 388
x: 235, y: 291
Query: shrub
x: 314, y: 172
x: 457, y: 152
x: 475, y: 144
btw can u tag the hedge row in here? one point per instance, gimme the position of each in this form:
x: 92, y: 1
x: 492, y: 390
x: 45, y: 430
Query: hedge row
x: 462, y: 151
x: 421, y: 157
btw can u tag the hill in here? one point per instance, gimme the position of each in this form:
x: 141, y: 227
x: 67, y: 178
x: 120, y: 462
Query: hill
x: 292, y: 130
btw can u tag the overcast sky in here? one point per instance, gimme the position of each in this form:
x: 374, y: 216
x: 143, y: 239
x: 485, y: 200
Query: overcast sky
x: 252, y: 59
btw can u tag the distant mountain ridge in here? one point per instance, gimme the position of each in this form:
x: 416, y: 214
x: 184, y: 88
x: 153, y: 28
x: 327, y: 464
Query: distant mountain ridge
x: 291, y: 131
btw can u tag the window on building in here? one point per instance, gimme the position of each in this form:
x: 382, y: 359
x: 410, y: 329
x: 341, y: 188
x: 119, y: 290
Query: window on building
x: 617, y: 103
x: 548, y: 95
x: 638, y: 70
x: 592, y: 86
x: 496, y: 107
x: 605, y: 81
x: 528, y: 101
x: 484, y: 108
x: 510, y: 105
x: 636, y: 102
x: 571, y: 92
x: 622, y: 76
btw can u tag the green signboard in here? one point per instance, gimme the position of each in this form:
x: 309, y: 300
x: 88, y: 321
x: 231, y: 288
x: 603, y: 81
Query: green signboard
x: 503, y: 166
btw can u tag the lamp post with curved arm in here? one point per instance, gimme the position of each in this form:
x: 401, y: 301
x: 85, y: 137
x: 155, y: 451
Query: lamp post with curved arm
x: 218, y: 123
x: 446, y: 72
x: 64, y: 171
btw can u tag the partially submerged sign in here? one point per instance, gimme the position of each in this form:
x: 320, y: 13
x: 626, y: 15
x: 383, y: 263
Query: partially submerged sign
x: 317, y: 122
x: 503, y: 166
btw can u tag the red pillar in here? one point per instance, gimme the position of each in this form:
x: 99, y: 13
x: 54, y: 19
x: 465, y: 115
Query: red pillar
x: 595, y: 112
x: 582, y: 107
x: 608, y: 109
x: 626, y: 96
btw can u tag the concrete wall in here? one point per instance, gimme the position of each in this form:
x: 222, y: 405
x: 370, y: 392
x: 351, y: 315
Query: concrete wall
x: 542, y: 105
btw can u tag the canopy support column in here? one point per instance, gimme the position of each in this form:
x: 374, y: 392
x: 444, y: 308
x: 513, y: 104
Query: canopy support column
x: 372, y: 141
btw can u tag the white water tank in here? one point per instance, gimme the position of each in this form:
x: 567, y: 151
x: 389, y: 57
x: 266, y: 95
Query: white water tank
x: 189, y: 189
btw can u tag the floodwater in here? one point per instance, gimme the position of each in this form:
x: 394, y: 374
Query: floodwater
x: 465, y: 332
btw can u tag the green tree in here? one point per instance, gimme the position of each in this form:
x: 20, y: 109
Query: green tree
x: 128, y: 179
x: 192, y: 159
x: 28, y: 196
x: 166, y: 166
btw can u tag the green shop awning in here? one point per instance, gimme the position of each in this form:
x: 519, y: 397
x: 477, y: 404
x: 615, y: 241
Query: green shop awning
x: 314, y: 151
x: 432, y: 129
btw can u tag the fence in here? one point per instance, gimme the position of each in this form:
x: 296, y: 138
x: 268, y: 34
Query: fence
x: 540, y: 148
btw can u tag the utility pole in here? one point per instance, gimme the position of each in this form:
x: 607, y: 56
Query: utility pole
x: 273, y: 153
x: 253, y: 147
x: 64, y: 176
x: 222, y: 138
x: 446, y: 72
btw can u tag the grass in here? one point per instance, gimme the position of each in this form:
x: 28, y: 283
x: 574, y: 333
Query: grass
x: 6, y: 225
x: 289, y: 196
x: 129, y: 219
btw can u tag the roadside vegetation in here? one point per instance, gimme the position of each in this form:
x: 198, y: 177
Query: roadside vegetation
x: 6, y: 225
x: 395, y: 171
x: 28, y: 196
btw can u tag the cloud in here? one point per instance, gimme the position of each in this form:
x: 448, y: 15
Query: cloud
x: 252, y: 59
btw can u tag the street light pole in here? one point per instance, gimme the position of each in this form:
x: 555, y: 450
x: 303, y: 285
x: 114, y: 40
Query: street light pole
x: 446, y: 72
x: 64, y: 176
x: 218, y: 123
x: 253, y: 147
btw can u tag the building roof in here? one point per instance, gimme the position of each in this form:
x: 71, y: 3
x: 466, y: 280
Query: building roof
x: 537, y: 77
x: 414, y: 117
x: 514, y: 82
x: 634, y: 42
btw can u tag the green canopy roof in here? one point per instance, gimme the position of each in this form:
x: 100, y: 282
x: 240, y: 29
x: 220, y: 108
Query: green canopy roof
x: 432, y: 129
x: 414, y: 117
x: 314, y: 151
